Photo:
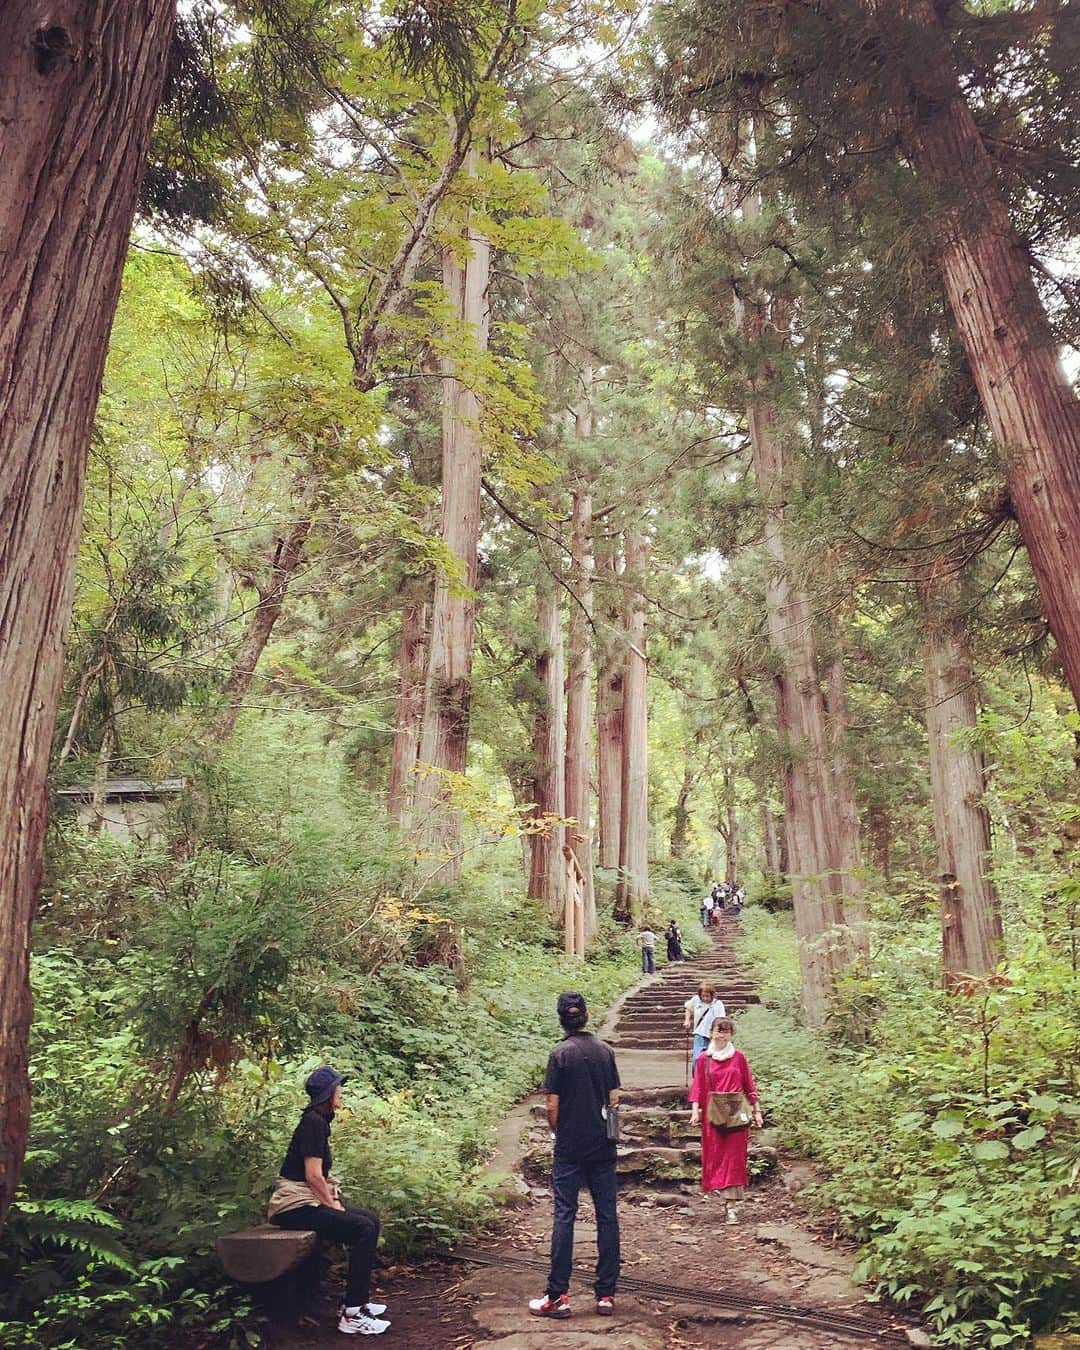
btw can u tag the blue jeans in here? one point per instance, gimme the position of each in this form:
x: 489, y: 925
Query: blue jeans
x: 567, y: 1179
x: 648, y: 961
x: 701, y: 1044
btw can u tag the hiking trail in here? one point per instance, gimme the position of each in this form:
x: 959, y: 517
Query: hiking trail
x: 773, y: 1281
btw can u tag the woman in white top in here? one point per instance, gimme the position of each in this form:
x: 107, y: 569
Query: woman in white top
x: 699, y: 1012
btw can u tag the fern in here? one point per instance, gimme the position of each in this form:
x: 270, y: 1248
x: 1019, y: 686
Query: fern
x: 71, y: 1225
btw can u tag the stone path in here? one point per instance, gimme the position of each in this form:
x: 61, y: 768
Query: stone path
x: 721, y: 1285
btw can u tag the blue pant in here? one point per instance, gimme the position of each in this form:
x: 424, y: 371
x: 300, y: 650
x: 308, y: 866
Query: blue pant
x: 648, y: 961
x: 701, y: 1044
x: 568, y: 1178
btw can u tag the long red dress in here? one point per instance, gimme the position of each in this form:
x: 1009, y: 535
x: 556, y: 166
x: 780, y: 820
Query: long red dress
x: 723, y: 1152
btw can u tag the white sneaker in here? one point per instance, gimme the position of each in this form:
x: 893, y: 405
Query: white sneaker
x: 732, y: 1214
x: 371, y: 1309
x: 359, y: 1324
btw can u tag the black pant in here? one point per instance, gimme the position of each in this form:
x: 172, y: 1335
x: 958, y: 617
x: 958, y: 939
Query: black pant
x: 357, y: 1229
x: 567, y: 1179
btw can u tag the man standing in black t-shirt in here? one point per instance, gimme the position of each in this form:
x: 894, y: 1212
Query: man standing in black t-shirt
x: 582, y: 1085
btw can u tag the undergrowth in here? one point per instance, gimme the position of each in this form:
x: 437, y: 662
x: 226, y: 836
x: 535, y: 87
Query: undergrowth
x: 948, y: 1130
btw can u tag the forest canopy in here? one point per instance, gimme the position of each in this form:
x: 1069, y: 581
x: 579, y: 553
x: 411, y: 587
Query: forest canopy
x: 471, y: 474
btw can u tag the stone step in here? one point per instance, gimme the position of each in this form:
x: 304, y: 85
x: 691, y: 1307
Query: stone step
x: 654, y: 1163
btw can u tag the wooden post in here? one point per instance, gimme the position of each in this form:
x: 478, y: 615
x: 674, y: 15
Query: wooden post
x: 574, y: 906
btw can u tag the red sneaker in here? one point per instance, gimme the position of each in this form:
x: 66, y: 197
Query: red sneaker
x: 550, y: 1307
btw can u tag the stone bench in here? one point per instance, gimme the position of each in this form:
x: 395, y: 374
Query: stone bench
x: 281, y: 1268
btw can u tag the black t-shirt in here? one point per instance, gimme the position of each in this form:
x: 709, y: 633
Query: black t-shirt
x: 581, y: 1071
x: 311, y: 1139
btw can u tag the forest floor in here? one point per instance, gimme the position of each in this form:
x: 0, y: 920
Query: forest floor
x: 776, y: 1280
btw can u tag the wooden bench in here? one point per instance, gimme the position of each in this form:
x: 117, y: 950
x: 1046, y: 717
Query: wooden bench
x: 281, y: 1268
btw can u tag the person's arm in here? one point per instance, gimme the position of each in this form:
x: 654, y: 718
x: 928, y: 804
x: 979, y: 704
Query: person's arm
x: 553, y: 1110
x: 750, y: 1088
x: 313, y: 1175
x: 697, y: 1089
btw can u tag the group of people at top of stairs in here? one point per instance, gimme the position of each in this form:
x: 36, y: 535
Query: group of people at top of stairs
x: 721, y: 895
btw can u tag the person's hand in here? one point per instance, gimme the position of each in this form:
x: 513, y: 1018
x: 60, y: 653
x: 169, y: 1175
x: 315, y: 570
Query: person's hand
x: 695, y: 1116
x: 759, y: 1119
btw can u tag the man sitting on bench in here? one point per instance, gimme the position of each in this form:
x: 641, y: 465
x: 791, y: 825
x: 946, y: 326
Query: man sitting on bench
x: 307, y: 1197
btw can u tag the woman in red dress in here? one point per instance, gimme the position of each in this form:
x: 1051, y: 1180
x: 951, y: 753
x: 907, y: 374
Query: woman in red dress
x: 722, y: 1068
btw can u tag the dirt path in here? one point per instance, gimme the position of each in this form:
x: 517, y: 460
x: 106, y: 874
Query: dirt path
x: 769, y: 1282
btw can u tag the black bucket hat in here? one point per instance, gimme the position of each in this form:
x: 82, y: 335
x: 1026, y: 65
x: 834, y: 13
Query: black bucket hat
x: 320, y: 1085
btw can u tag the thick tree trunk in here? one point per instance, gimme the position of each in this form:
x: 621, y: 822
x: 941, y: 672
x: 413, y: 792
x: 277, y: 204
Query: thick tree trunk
x: 971, y: 936
x: 409, y: 709
x: 444, y: 737
x: 811, y: 822
x: 632, y: 890
x: 728, y: 827
x: 847, y: 861
x: 579, y: 692
x: 681, y: 821
x: 287, y: 557
x: 1030, y: 406
x: 609, y: 731
x: 547, y: 874
x: 79, y: 85
x: 881, y: 830
x: 770, y: 842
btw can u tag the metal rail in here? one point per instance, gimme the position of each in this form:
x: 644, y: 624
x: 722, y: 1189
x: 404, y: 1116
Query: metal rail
x: 816, y: 1319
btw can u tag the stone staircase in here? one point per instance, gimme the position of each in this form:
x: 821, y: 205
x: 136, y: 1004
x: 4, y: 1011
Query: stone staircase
x: 658, y: 1148
x: 652, y: 1017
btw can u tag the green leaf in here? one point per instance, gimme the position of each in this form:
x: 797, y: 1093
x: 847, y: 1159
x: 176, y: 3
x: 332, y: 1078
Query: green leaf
x: 990, y: 1150
x: 1028, y: 1138
x: 947, y: 1127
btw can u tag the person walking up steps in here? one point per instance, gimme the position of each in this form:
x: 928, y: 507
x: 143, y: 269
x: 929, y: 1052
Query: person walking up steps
x: 723, y: 1100
x: 647, y: 939
x: 673, y: 936
x: 582, y: 1086
x: 699, y: 1012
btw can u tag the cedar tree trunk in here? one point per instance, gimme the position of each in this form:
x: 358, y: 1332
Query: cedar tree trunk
x: 79, y: 85
x: 1029, y: 404
x: 971, y: 936
x: 547, y: 873
x: 444, y: 737
x: 409, y: 709
x: 609, y: 732
x: 579, y: 692
x: 632, y: 890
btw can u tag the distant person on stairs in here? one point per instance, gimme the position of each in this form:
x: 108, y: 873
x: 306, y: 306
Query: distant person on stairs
x: 647, y: 941
x: 699, y: 1012
x: 673, y: 938
x: 306, y: 1197
x: 582, y: 1086
x: 723, y: 1101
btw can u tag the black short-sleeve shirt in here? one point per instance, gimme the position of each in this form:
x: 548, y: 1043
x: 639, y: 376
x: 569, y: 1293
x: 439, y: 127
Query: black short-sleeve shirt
x: 581, y: 1071
x: 311, y: 1139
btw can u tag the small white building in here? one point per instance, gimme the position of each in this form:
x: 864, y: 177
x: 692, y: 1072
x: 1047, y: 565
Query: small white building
x: 134, y: 807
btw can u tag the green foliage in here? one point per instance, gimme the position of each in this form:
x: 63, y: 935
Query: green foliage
x: 950, y: 1143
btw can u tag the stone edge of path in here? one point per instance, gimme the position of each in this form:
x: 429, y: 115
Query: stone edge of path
x: 502, y: 1166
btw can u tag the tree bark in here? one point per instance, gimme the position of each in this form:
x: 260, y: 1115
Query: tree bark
x: 971, y: 934
x: 547, y: 873
x: 79, y: 85
x: 770, y: 842
x: 444, y: 737
x: 578, y: 689
x: 1029, y: 404
x: 609, y: 731
x: 284, y: 564
x: 847, y: 862
x: 409, y: 709
x: 632, y: 889
x: 681, y: 822
x: 729, y: 830
x: 101, y: 778
x: 811, y: 821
